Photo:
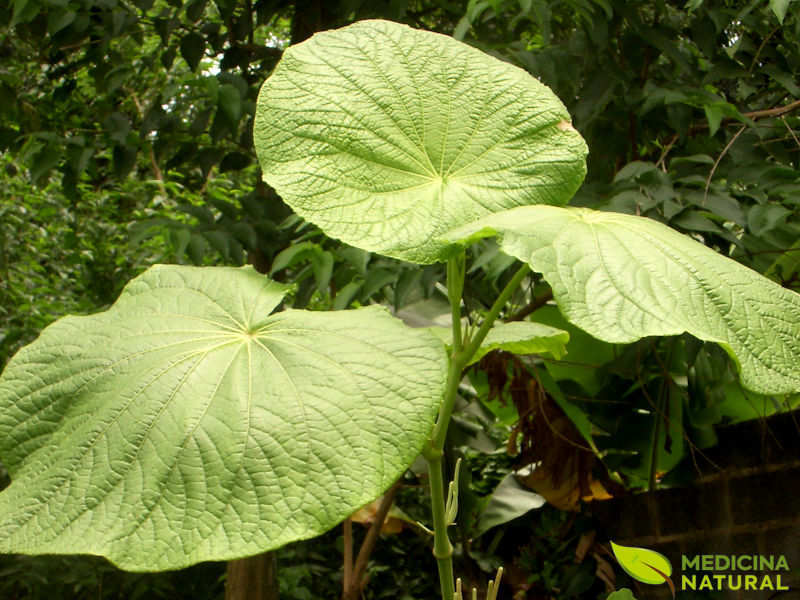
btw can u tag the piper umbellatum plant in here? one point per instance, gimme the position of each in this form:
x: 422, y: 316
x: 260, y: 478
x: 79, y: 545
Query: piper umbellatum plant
x: 195, y: 420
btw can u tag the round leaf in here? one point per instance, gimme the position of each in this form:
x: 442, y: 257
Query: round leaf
x: 621, y: 278
x: 385, y: 137
x: 187, y: 424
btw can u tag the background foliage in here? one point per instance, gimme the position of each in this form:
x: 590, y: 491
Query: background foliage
x: 125, y: 129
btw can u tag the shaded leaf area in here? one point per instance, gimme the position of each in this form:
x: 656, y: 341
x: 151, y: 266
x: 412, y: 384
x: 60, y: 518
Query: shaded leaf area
x: 231, y: 221
x: 651, y: 418
x: 502, y: 522
x: 132, y: 80
x: 95, y: 96
x: 164, y: 431
x: 552, y: 456
x: 95, y: 93
x: 508, y: 501
x: 543, y: 551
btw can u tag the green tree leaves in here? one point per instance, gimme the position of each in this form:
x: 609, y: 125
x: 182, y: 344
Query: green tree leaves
x: 621, y: 278
x: 386, y: 137
x: 779, y: 7
x: 192, y: 48
x: 186, y: 423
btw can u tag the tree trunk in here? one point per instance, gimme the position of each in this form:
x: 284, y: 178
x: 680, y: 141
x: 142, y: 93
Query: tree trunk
x: 311, y: 16
x: 253, y: 578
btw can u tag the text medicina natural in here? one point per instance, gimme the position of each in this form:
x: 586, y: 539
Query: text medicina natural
x: 733, y: 581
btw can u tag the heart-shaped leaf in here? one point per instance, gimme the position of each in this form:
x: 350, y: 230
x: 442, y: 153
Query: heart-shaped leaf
x: 386, y: 136
x: 621, y: 278
x: 186, y: 423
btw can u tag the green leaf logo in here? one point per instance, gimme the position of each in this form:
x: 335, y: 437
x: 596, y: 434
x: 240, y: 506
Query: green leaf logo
x: 644, y: 565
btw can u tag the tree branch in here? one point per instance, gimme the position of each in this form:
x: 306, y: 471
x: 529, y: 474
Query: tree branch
x: 347, y: 579
x: 773, y: 112
x: 754, y: 115
x: 153, y: 163
x: 531, y: 307
x: 719, y: 159
x: 356, y: 579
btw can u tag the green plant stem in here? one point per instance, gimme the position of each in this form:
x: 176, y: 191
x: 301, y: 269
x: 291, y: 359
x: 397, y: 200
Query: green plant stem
x: 455, y: 288
x: 459, y: 359
x: 498, y: 305
x: 442, y: 547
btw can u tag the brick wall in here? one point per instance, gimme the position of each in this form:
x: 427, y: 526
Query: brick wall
x: 749, y: 505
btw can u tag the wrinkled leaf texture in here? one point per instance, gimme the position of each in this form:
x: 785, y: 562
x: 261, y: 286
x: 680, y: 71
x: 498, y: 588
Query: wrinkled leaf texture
x: 386, y: 137
x: 621, y: 278
x: 187, y: 423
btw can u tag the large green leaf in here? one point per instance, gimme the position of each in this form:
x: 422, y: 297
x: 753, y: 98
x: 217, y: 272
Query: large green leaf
x: 186, y: 423
x: 386, y: 137
x: 621, y: 278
